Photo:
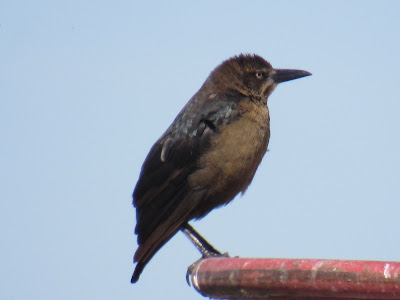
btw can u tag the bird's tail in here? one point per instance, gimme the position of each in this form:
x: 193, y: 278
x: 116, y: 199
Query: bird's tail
x: 165, y: 231
x: 138, y: 270
x: 146, y: 251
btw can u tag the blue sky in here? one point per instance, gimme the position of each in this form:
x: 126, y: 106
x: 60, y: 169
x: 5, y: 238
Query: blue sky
x: 87, y: 88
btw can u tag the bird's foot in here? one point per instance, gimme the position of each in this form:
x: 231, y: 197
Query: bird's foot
x: 206, y: 254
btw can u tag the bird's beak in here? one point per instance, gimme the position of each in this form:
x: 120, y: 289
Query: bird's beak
x: 283, y: 75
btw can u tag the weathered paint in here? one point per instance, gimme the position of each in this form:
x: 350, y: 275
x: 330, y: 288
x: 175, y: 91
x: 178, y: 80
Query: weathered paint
x: 243, y: 278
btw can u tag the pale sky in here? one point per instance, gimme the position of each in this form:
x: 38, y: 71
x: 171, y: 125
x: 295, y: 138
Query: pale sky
x: 87, y: 87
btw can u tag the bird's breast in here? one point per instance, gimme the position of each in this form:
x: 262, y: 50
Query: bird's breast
x: 235, y: 152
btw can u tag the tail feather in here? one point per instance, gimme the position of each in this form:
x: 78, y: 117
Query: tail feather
x: 138, y: 270
x: 165, y: 231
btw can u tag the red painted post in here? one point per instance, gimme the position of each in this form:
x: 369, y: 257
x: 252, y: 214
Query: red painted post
x: 246, y: 278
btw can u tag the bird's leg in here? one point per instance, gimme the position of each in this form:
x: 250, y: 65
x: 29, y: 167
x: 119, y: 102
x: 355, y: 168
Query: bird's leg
x: 201, y: 244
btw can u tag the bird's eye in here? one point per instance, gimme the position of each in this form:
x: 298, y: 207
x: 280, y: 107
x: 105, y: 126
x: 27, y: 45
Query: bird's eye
x: 259, y: 75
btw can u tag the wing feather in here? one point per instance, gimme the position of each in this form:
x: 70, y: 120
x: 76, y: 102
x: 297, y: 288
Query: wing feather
x: 162, y: 197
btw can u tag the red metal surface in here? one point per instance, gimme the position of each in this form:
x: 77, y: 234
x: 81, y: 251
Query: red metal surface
x: 243, y: 278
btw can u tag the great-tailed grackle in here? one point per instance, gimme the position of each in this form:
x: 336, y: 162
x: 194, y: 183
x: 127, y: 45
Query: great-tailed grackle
x: 208, y: 155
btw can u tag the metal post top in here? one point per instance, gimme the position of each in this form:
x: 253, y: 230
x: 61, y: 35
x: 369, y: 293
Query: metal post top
x: 275, y: 278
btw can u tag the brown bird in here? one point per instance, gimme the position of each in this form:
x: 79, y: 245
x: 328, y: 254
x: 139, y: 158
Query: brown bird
x: 207, y: 156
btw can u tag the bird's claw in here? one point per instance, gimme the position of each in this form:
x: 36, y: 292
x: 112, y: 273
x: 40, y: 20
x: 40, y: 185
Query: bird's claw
x: 206, y: 255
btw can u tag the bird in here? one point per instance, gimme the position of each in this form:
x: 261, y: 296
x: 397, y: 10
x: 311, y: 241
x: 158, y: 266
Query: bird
x: 208, y: 155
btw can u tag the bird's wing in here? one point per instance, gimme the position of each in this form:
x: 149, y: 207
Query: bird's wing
x: 162, y: 196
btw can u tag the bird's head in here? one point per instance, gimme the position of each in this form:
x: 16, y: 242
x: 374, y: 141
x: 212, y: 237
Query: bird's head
x: 251, y: 75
